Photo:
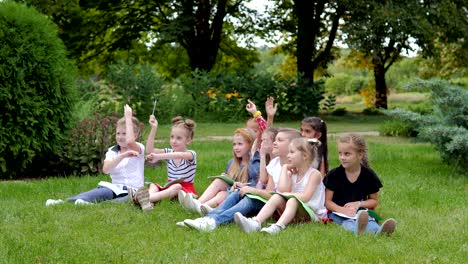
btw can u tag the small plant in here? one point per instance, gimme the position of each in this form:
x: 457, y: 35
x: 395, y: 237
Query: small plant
x: 329, y: 102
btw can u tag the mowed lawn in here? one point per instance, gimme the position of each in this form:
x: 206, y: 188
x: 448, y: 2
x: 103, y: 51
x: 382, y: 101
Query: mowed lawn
x: 425, y: 196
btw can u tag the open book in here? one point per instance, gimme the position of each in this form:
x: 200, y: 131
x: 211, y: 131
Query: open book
x: 371, y: 213
x: 223, y: 177
x: 286, y: 196
x: 169, y: 183
x: 116, y: 189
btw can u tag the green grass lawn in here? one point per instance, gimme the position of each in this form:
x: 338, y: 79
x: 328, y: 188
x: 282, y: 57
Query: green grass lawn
x: 425, y: 196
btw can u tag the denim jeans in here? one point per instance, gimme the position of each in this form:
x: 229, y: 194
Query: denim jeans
x: 350, y: 224
x: 234, y: 203
x: 98, y: 194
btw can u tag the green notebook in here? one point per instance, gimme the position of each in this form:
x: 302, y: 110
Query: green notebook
x: 223, y: 177
x: 305, y: 206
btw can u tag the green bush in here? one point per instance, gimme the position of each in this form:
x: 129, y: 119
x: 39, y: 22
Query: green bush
x: 345, y: 84
x: 222, y: 97
x: 85, y: 149
x: 340, y: 111
x: 37, y: 84
x: 446, y: 126
x: 136, y: 84
x: 396, y: 128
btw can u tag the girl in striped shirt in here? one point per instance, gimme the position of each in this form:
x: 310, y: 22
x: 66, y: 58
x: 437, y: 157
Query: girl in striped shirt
x: 181, y: 163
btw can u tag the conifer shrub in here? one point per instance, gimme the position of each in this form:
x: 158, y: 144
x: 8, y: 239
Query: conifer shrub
x: 37, y: 89
x: 446, y: 127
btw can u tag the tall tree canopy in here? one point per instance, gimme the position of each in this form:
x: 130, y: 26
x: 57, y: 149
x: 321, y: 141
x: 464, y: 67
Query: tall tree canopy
x: 95, y: 27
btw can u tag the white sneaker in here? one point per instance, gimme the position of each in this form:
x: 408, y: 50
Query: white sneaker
x: 193, y: 204
x: 205, y: 209
x: 273, y: 229
x: 181, y: 223
x: 50, y: 202
x: 81, y: 202
x: 204, y: 224
x: 181, y: 196
x: 248, y: 225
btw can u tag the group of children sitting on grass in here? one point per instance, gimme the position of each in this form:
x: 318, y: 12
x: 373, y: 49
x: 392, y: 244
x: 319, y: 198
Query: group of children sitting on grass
x: 279, y: 173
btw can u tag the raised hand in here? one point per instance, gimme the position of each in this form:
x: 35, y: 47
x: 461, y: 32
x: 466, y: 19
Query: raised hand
x: 128, y: 111
x: 270, y: 106
x: 153, y: 121
x: 251, y: 107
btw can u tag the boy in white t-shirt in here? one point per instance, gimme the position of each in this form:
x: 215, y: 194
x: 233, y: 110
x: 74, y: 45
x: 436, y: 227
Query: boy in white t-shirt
x: 124, y: 163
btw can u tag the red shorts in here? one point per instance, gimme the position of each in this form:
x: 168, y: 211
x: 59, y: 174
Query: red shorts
x: 187, y: 187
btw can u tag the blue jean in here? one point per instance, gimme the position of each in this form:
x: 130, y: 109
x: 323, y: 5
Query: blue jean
x: 350, y: 224
x: 98, y: 194
x: 234, y: 203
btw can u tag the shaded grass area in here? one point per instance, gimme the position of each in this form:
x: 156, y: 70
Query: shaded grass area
x: 427, y: 197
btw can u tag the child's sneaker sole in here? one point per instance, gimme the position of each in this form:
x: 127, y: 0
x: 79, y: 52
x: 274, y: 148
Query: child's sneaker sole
x: 388, y: 227
x: 142, y: 198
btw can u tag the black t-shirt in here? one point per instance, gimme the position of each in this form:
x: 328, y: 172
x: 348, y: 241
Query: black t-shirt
x: 344, y: 191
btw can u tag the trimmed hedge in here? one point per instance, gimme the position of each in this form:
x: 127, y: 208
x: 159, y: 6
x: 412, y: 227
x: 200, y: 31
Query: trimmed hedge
x: 37, y: 84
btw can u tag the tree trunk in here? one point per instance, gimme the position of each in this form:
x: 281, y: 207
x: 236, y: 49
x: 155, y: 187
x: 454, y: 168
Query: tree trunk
x: 306, y: 34
x: 204, y: 44
x: 380, y: 84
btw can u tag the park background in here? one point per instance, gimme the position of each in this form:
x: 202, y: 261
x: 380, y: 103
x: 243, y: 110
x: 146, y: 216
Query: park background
x: 68, y: 67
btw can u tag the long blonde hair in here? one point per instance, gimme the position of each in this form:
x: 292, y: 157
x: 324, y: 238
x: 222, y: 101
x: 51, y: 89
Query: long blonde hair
x: 236, y: 171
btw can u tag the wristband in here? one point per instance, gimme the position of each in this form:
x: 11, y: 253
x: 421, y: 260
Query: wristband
x: 257, y: 114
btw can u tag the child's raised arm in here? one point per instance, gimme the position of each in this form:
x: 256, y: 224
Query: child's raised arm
x: 150, y: 141
x: 130, y: 136
x: 270, y: 108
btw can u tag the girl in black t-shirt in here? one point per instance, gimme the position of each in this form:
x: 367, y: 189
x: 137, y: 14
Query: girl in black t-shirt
x: 353, y: 187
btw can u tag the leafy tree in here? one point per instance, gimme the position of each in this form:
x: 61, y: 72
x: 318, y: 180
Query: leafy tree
x: 382, y: 30
x: 312, y: 27
x: 200, y: 27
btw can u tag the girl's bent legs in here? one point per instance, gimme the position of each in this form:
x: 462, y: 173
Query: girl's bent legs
x: 216, y: 186
x: 218, y: 199
x: 95, y: 195
x: 245, y: 206
x: 163, y: 194
x: 289, y: 212
x: 275, y: 202
x: 232, y: 199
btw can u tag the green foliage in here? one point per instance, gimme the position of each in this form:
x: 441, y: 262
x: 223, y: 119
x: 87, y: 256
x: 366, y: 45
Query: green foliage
x: 345, y: 84
x: 37, y: 89
x: 339, y: 111
x: 329, y: 102
x: 446, y: 127
x: 86, y: 146
x: 396, y: 128
x: 222, y: 97
x: 138, y: 85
